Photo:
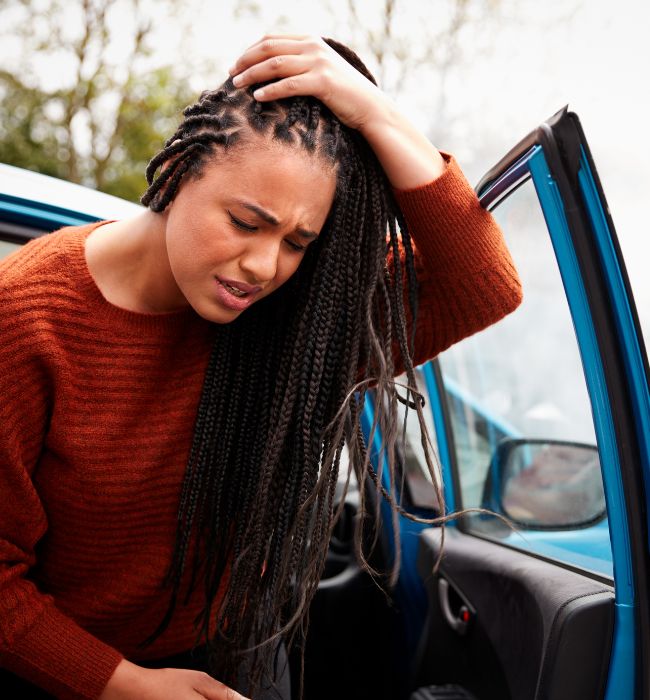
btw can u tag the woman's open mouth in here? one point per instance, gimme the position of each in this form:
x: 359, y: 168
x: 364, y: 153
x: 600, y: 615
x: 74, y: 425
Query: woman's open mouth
x: 234, y: 290
x: 236, y: 295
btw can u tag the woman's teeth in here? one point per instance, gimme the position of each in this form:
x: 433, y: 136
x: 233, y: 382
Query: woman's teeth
x: 234, y: 291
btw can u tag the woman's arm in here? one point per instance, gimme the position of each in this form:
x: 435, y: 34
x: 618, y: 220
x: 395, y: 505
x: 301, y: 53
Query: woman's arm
x: 38, y: 641
x: 467, y: 279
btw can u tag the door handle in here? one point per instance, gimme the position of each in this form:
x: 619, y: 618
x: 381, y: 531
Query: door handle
x: 459, y: 622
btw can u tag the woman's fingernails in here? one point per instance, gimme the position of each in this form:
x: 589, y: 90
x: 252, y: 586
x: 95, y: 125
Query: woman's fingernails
x: 232, y: 70
x: 259, y: 93
x: 237, y: 80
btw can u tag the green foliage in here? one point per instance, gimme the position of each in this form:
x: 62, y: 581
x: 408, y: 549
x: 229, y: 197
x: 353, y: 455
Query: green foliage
x: 28, y: 137
x: 146, y: 119
x: 34, y: 133
x: 108, y: 118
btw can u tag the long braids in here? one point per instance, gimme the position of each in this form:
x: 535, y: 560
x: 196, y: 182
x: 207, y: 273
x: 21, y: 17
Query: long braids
x: 278, y: 402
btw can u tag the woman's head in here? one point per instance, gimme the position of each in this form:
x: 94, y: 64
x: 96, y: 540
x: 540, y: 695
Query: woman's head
x: 245, y: 188
x: 227, y: 116
x: 278, y: 401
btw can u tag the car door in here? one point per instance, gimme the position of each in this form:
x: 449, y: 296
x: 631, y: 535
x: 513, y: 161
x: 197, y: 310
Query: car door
x: 543, y: 418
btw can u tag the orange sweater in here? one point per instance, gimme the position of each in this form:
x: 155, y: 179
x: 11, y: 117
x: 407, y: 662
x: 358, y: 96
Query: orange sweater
x: 96, y: 419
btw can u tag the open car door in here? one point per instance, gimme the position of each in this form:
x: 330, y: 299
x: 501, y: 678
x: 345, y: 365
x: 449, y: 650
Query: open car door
x: 543, y: 418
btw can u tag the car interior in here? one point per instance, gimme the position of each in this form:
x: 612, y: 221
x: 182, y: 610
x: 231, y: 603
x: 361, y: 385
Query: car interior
x: 501, y: 625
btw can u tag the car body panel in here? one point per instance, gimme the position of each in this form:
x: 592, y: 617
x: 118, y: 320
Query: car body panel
x: 32, y: 204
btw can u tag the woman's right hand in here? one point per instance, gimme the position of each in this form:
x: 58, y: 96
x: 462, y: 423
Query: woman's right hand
x: 132, y: 682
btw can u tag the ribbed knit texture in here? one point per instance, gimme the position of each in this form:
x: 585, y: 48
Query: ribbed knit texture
x: 97, y: 413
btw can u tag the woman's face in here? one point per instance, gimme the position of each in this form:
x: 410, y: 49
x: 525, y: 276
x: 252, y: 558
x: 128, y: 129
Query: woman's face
x: 239, y: 232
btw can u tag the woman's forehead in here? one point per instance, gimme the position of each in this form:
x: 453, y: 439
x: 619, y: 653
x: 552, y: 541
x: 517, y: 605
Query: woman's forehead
x: 283, y: 179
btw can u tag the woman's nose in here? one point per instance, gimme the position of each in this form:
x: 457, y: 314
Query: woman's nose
x: 260, y: 260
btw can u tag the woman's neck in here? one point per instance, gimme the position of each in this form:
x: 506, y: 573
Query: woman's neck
x: 128, y: 261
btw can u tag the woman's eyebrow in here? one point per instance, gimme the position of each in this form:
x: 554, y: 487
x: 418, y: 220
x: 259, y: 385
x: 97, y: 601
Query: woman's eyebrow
x: 262, y: 213
x: 269, y: 218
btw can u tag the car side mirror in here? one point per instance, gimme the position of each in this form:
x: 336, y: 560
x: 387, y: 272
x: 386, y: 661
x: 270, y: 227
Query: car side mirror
x: 548, y: 484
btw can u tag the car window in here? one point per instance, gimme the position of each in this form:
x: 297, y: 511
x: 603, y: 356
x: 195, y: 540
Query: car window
x: 7, y: 247
x: 520, y: 414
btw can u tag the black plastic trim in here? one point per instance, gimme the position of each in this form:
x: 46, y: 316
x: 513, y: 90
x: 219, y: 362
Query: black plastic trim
x: 537, y: 627
x: 589, y: 573
x: 514, y: 154
x: 16, y: 233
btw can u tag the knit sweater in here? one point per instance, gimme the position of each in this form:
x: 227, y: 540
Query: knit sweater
x: 97, y: 413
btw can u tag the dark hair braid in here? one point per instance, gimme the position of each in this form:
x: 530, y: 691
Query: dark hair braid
x: 278, y: 403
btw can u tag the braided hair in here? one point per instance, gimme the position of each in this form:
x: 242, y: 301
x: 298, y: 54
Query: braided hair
x: 285, y: 384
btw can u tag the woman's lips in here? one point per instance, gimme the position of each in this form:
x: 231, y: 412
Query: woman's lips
x: 236, y: 295
x: 242, y: 286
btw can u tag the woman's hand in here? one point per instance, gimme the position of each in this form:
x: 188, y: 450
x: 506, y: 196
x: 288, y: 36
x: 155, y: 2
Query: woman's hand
x: 131, y: 682
x: 304, y: 65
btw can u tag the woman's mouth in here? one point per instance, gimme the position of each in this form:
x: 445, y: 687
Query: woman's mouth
x: 236, y: 295
x: 234, y: 290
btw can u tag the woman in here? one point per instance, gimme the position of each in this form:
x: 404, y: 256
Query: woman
x: 178, y: 386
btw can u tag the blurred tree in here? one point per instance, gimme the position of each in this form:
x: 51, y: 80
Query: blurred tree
x: 423, y: 44
x: 420, y: 52
x: 427, y: 54
x: 101, y: 128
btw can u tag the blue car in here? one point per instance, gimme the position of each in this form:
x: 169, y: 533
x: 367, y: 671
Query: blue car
x: 542, y: 433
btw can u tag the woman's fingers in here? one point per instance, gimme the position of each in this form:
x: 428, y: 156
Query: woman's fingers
x: 306, y: 65
x: 132, y: 682
x: 212, y: 689
x: 266, y: 37
x: 287, y: 87
x: 275, y: 68
x: 268, y: 48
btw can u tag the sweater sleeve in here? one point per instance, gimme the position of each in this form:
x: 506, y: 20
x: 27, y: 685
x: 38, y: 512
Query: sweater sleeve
x: 37, y: 641
x: 466, y: 276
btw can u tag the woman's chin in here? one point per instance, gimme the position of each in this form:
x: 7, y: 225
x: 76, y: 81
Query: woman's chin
x: 215, y: 312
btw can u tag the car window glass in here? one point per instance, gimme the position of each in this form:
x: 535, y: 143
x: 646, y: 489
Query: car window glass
x: 7, y: 247
x: 520, y: 414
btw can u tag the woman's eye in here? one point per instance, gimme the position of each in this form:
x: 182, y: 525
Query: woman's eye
x: 297, y: 246
x: 241, y: 224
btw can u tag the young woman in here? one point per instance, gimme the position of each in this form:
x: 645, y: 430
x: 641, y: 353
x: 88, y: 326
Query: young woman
x: 177, y: 387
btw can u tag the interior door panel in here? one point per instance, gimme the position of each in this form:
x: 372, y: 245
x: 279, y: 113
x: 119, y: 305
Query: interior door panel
x: 536, y: 629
